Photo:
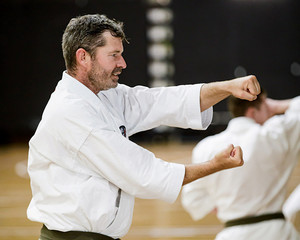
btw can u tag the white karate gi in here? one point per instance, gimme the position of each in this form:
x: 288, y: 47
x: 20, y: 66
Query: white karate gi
x: 291, y: 207
x: 79, y: 159
x: 259, y: 187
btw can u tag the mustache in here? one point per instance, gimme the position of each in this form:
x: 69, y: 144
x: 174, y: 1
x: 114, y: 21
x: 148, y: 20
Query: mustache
x: 117, y: 71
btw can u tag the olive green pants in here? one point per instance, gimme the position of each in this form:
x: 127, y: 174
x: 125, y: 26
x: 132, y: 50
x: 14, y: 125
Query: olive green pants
x: 47, y: 234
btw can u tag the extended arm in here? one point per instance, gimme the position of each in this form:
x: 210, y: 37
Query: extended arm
x: 229, y: 158
x: 277, y: 106
x: 245, y: 88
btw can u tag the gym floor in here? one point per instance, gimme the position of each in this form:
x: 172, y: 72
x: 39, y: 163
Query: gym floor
x: 153, y: 219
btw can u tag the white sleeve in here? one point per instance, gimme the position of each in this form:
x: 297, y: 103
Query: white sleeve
x: 294, y: 107
x: 292, y: 205
x: 285, y: 127
x: 130, y: 167
x: 293, y: 115
x: 178, y: 106
x: 196, y: 199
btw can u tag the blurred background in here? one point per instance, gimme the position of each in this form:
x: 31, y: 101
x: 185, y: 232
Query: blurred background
x: 172, y: 42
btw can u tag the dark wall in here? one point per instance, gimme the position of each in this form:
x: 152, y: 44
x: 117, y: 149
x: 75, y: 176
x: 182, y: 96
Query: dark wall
x: 32, y: 61
x: 211, y: 39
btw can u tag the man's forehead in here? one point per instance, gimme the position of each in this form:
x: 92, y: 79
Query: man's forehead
x: 112, y: 43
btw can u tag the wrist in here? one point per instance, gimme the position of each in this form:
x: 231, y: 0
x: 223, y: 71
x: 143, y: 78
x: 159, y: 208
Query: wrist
x: 215, y: 166
x: 228, y: 87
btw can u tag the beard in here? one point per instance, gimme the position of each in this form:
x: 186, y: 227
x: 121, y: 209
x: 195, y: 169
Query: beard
x: 101, y: 79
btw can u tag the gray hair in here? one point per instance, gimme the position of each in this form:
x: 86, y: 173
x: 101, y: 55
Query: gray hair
x: 86, y: 32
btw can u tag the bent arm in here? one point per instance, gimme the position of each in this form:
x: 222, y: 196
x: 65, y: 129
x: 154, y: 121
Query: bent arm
x: 278, y: 106
x: 130, y: 167
x: 245, y: 88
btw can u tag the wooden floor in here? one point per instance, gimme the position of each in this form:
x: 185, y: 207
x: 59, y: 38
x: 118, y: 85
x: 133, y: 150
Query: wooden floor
x: 152, y: 219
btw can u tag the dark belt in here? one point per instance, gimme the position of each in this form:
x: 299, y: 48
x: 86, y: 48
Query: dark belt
x: 254, y: 219
x: 47, y: 234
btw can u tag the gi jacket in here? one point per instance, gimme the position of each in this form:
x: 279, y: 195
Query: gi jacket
x: 84, y: 170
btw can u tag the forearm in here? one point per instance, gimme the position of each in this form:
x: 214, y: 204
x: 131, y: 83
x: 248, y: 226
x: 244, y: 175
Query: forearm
x: 245, y: 88
x: 278, y: 106
x: 196, y: 171
x: 283, y: 105
x: 212, y: 93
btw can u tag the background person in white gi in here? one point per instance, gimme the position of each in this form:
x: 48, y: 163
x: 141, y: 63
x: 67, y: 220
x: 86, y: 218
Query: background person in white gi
x: 271, y: 149
x: 85, y: 172
x: 291, y: 208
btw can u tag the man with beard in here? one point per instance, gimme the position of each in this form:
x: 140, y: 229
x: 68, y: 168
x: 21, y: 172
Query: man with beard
x: 85, y: 172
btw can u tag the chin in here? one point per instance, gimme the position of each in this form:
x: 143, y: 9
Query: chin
x: 114, y: 84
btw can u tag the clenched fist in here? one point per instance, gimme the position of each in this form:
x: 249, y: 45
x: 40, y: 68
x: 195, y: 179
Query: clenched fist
x: 245, y: 87
x: 228, y: 158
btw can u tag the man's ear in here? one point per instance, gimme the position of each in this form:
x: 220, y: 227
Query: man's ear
x: 82, y: 57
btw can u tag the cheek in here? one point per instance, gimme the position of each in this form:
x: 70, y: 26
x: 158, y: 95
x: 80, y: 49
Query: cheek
x: 105, y: 63
x: 98, y: 68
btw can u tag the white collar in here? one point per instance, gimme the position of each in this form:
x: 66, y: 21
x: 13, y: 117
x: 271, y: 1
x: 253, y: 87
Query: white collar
x: 76, y: 87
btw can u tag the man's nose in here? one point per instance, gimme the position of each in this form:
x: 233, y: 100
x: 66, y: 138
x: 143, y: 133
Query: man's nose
x: 122, y: 64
